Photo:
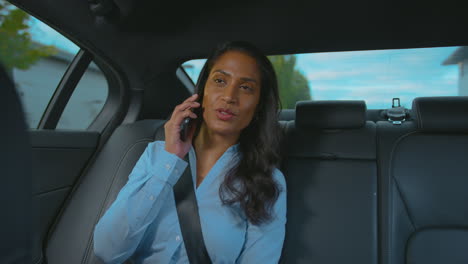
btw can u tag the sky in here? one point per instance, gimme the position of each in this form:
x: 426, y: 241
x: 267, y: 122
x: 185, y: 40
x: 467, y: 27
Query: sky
x: 44, y: 34
x: 374, y: 76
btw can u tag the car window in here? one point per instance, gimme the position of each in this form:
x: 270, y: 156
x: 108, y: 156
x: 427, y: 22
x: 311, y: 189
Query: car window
x: 375, y: 76
x: 87, y: 100
x: 36, y: 57
x: 36, y: 85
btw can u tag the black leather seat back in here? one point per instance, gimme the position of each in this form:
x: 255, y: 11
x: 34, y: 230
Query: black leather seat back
x: 71, y: 239
x: 429, y: 176
x: 331, y: 175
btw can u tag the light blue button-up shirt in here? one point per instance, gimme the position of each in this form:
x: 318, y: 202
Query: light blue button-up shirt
x: 142, y: 223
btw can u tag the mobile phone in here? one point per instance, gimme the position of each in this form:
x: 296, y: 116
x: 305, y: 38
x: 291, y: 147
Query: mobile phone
x: 187, y: 123
x: 184, y: 128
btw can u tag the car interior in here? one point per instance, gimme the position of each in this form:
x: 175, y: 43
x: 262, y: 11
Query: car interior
x: 383, y: 186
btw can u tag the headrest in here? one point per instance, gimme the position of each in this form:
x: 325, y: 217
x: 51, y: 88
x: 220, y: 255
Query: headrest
x: 448, y: 113
x: 330, y: 114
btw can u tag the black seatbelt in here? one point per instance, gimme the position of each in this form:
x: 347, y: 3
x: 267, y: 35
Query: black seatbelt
x: 189, y: 219
x: 187, y: 210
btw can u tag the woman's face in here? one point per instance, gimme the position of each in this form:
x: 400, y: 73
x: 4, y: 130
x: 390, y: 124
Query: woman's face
x: 232, y: 92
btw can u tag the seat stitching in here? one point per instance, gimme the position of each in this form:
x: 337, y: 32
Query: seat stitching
x: 402, y: 197
x: 379, y: 188
x: 390, y: 194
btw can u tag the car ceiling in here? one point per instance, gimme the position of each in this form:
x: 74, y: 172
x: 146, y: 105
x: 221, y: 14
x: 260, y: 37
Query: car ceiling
x: 143, y: 38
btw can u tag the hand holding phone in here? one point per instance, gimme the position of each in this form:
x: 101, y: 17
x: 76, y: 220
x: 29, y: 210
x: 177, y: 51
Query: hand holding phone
x: 179, y: 128
x: 187, y: 124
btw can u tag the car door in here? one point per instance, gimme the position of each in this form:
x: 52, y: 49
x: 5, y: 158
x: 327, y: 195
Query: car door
x: 71, y: 101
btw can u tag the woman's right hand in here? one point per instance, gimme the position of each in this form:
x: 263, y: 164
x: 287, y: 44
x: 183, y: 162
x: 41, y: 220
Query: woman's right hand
x: 172, y: 127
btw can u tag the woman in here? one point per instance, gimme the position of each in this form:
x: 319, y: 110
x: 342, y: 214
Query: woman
x: 233, y: 153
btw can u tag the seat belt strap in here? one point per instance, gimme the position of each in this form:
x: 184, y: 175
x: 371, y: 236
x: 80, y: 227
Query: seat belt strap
x: 189, y: 219
x: 187, y: 211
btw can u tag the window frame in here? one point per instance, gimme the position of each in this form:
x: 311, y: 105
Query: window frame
x: 64, y: 90
x: 114, y: 108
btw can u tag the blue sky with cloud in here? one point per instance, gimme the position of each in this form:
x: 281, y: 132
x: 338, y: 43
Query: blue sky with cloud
x: 374, y: 76
x: 378, y: 76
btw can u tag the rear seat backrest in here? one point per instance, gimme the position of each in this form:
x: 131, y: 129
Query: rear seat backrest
x: 429, y: 176
x: 331, y: 173
x: 71, y: 240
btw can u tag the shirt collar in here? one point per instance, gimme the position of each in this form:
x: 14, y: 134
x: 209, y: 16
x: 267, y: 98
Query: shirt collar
x: 233, y: 149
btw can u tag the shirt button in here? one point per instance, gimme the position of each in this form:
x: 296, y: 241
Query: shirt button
x: 177, y: 238
x: 176, y: 171
x: 151, y: 197
x: 168, y: 167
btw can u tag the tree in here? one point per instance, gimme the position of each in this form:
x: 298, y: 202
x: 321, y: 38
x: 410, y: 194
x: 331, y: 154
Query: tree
x: 17, y: 50
x: 293, y: 85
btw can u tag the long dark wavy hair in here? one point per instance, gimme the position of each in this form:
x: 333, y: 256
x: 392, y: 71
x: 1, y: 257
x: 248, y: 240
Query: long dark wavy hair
x: 250, y: 182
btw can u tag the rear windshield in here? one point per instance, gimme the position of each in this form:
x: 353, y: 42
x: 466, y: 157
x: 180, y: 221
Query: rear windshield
x: 375, y: 76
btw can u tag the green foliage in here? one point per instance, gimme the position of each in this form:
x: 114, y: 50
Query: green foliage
x: 293, y: 85
x: 17, y: 50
